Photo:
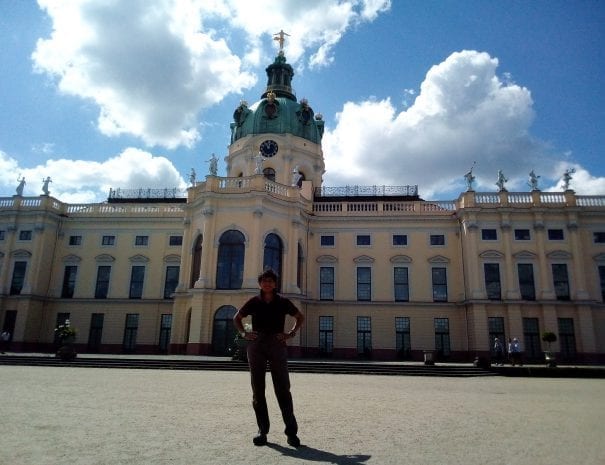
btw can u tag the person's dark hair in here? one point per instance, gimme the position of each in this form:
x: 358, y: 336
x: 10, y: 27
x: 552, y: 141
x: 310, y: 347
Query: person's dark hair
x: 267, y: 274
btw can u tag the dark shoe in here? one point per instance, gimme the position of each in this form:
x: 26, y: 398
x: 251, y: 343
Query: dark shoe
x: 260, y: 439
x: 294, y: 441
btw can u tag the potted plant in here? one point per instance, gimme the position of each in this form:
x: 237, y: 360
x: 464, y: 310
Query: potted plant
x: 66, y: 335
x: 241, y: 345
x: 549, y: 337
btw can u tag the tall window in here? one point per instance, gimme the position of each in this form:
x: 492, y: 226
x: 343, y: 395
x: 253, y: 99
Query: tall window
x: 137, y: 277
x: 364, y: 283
x: 102, y: 287
x: 560, y: 281
x: 95, y: 333
x: 223, y: 330
x: 326, y: 335
x: 439, y: 276
x: 230, y: 266
x: 196, y: 263
x: 496, y: 330
x: 69, y: 281
x: 526, y: 281
x: 401, y: 284
x: 272, y: 257
x: 131, y: 327
x: 403, y: 344
x: 492, y: 280
x: 171, y: 281
x: 326, y: 283
x: 567, y: 338
x: 602, y: 281
x: 531, y: 336
x: 18, y: 277
x: 442, y: 337
x: 165, y: 328
x: 300, y: 263
x: 364, y: 335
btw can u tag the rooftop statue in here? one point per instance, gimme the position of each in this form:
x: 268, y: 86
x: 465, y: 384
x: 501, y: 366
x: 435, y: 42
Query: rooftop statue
x: 192, y: 177
x: 213, y: 168
x: 501, y: 181
x: 469, y: 178
x: 567, y: 177
x: 21, y: 186
x: 533, y: 181
x: 45, y: 183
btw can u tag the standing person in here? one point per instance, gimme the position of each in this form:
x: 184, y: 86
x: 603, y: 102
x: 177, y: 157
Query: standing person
x: 5, y: 338
x: 514, y: 349
x: 498, y: 351
x: 267, y: 343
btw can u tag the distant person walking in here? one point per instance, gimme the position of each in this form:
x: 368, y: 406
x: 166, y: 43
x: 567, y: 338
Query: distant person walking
x: 498, y: 351
x: 515, y: 352
x: 267, y: 343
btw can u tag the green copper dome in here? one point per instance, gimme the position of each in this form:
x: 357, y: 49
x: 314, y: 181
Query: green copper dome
x: 278, y: 111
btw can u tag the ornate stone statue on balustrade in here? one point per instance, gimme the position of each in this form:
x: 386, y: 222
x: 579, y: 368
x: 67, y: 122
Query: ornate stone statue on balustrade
x: 501, y: 181
x: 20, y: 186
x: 567, y: 177
x: 469, y: 178
x: 213, y: 167
x: 45, y: 183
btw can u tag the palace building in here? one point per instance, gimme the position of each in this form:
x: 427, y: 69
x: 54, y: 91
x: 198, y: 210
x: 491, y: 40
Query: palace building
x: 377, y: 272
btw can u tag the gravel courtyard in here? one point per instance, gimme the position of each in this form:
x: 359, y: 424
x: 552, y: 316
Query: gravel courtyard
x: 56, y: 415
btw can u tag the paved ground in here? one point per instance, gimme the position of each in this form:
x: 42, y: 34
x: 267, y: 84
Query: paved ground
x: 62, y: 415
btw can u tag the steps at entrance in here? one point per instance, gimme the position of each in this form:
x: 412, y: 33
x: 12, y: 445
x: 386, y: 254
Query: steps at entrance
x: 295, y: 366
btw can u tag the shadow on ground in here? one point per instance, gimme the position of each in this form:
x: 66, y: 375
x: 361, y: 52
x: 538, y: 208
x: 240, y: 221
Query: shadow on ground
x: 317, y: 455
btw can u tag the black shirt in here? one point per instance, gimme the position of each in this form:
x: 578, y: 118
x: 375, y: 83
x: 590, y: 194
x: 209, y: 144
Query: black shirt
x: 268, y: 317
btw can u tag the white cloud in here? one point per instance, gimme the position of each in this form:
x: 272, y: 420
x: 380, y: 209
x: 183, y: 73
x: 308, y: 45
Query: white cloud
x: 78, y: 181
x: 152, y: 68
x: 463, y: 113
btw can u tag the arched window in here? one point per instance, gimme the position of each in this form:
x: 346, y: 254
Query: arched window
x: 272, y: 257
x: 269, y: 173
x: 196, y: 263
x: 230, y: 266
x: 223, y: 330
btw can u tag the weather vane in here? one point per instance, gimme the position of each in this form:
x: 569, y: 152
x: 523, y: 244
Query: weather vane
x: 280, y: 38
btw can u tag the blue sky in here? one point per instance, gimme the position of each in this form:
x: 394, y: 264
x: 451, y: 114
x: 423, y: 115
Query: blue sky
x: 99, y: 94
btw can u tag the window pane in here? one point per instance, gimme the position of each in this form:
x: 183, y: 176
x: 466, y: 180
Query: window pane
x: 364, y: 283
x: 141, y: 240
x: 137, y: 276
x: 363, y: 239
x: 400, y: 283
x: 492, y: 280
x: 489, y: 234
x: 400, y: 239
x: 75, y: 240
x: 326, y: 283
x: 560, y: 281
x: 175, y: 240
x: 526, y: 281
x: 327, y: 241
x: 102, y: 287
x: 172, y: 280
x: 555, y: 235
x: 439, y: 284
x: 18, y: 277
x: 522, y: 235
x: 230, y: 266
x: 272, y: 257
x: 69, y: 281
x: 437, y: 239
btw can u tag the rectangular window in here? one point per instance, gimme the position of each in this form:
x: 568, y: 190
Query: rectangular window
x: 442, y: 337
x: 363, y: 239
x: 364, y: 335
x: 567, y: 338
x: 401, y: 284
x: 165, y: 329
x: 95, y: 334
x: 326, y: 335
x: 526, y: 281
x: 326, y: 283
x: 327, y: 241
x: 175, y: 241
x: 598, y: 237
x: 439, y: 277
x: 131, y: 328
x: 25, y: 235
x: 2, y: 233
x: 522, y: 235
x: 560, y: 281
x: 403, y: 344
x: 69, y: 281
x: 400, y: 239
x: 171, y: 281
x: 364, y: 283
x: 102, y: 286
x: 531, y: 335
x: 108, y: 240
x: 137, y: 276
x: 437, y: 239
x: 141, y: 241
x: 496, y: 330
x: 602, y: 281
x: 18, y: 278
x: 75, y: 240
x: 492, y: 281
x: 555, y: 235
x: 489, y: 235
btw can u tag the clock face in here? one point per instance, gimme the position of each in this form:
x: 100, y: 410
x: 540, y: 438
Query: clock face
x: 268, y: 148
